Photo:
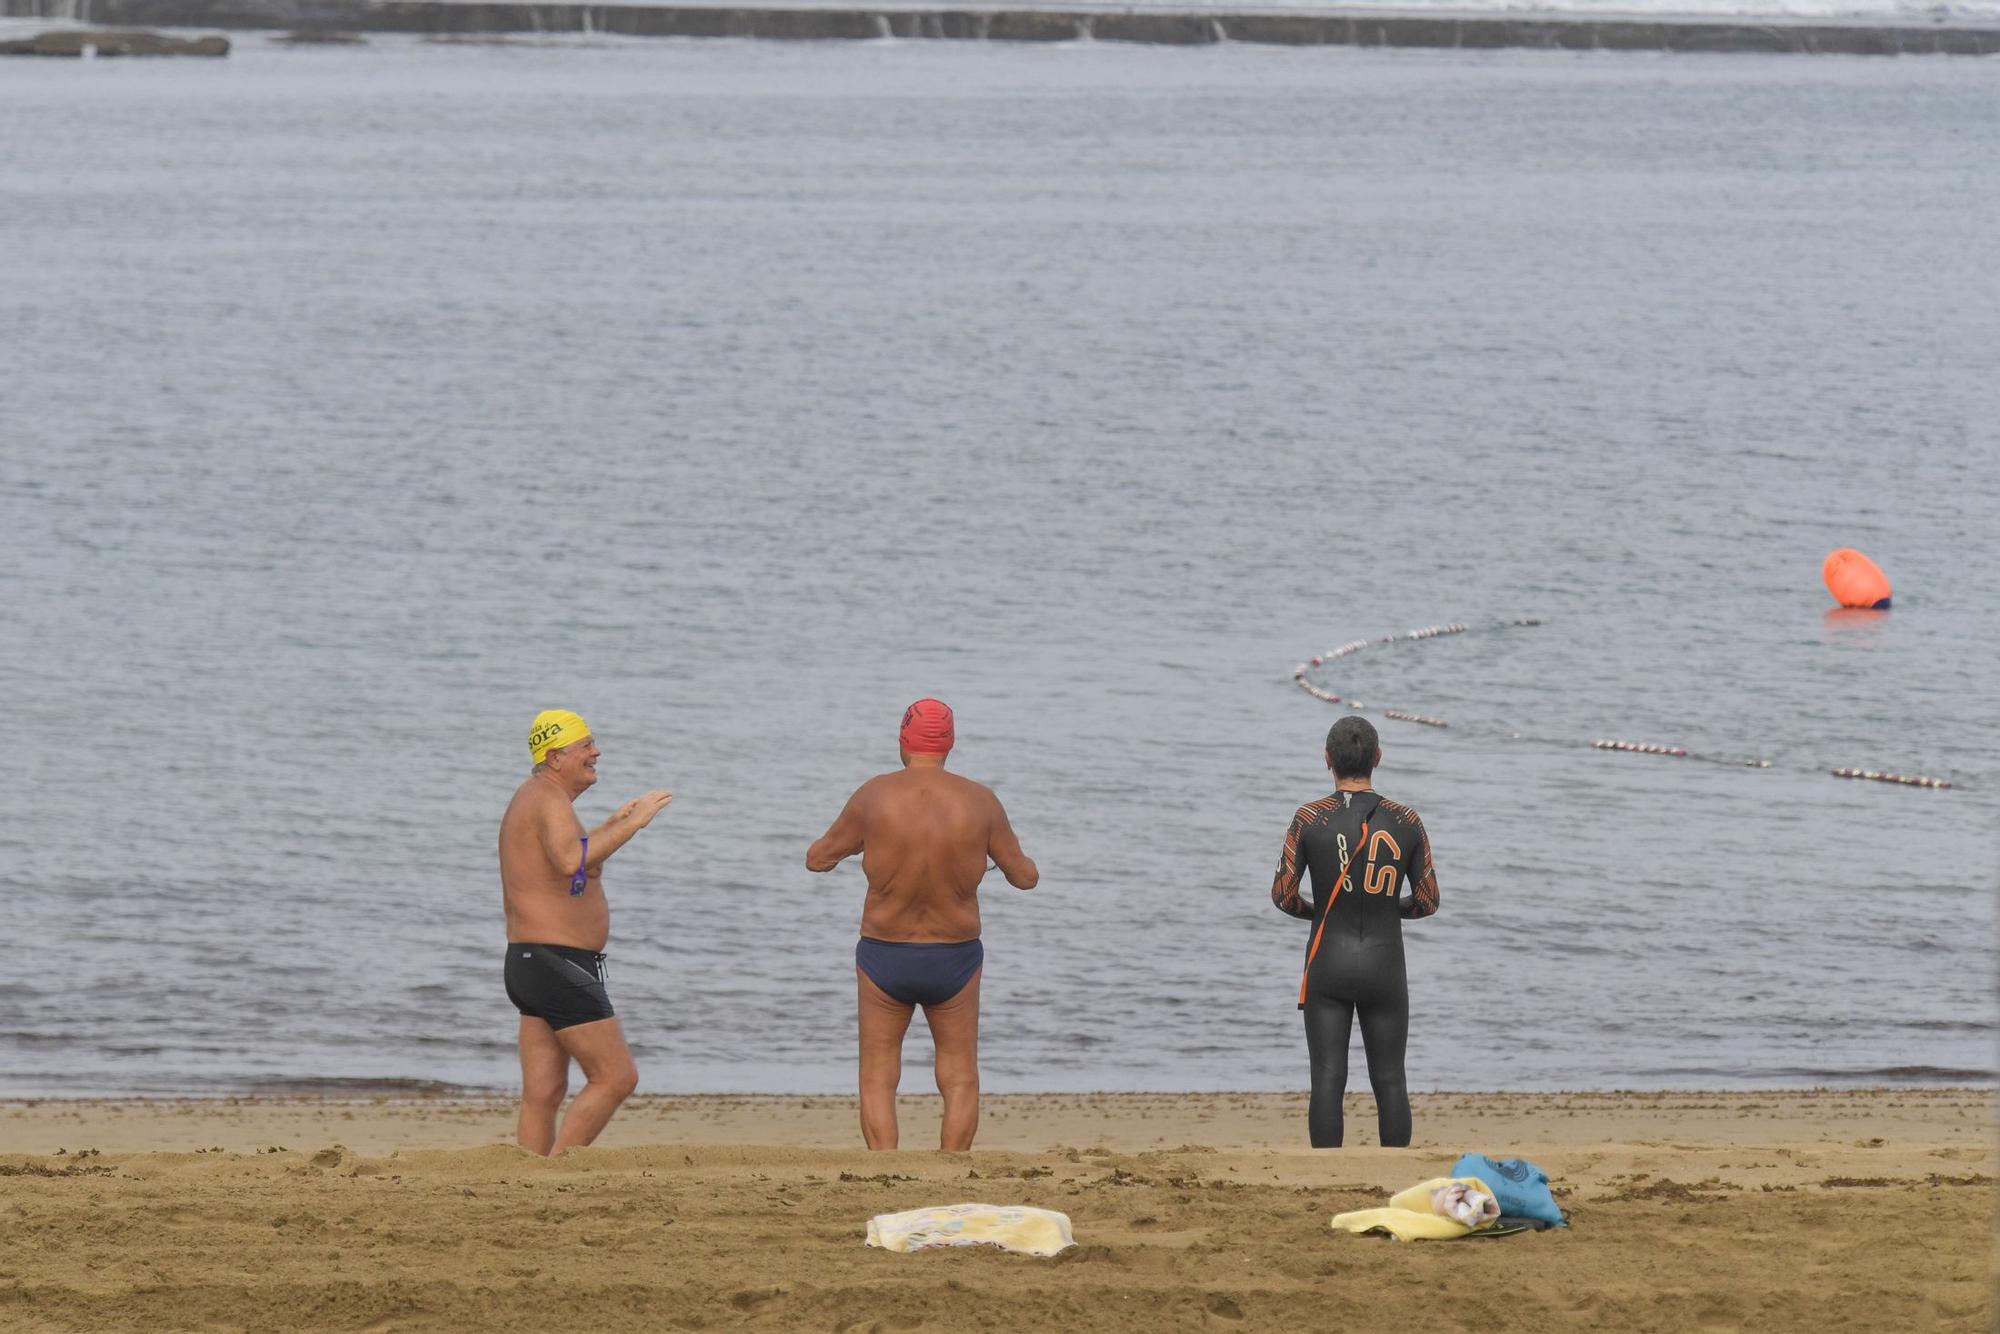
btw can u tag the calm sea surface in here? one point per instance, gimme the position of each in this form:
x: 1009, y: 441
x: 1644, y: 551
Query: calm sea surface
x: 357, y: 404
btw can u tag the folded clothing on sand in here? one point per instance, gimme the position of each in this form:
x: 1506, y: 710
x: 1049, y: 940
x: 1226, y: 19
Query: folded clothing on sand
x: 1013, y: 1227
x: 1520, y: 1186
x: 1432, y: 1210
x: 1468, y: 1204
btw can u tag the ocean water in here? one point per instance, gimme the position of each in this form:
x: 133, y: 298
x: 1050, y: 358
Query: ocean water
x: 357, y: 404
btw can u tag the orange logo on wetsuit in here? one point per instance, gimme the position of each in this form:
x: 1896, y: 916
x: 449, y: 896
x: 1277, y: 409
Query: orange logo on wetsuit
x: 1381, y: 879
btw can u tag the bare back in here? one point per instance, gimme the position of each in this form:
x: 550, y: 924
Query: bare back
x: 535, y: 885
x: 924, y: 836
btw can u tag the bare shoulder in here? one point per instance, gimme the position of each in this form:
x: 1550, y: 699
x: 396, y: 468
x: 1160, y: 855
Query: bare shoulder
x: 534, y: 803
x: 976, y: 791
x: 870, y: 793
x: 521, y: 803
x: 877, y: 785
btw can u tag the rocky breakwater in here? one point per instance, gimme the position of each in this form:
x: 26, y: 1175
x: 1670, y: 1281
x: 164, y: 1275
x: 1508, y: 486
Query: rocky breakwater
x: 85, y: 41
x: 985, y: 20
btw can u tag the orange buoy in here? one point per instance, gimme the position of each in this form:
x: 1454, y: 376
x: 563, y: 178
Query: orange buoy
x: 1855, y: 581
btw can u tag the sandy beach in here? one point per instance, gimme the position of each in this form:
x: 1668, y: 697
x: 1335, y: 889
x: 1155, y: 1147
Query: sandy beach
x: 1843, y: 1210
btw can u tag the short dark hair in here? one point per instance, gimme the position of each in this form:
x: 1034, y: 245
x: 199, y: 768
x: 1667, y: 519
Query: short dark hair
x: 1351, y: 747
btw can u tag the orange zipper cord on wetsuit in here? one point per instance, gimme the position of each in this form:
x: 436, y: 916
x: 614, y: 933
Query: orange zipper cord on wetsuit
x: 1340, y: 880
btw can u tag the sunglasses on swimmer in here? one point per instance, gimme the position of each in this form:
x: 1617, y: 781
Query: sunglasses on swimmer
x: 579, y: 880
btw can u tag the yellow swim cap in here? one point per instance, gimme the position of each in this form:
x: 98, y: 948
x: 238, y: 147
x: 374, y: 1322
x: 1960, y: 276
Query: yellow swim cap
x: 554, y: 729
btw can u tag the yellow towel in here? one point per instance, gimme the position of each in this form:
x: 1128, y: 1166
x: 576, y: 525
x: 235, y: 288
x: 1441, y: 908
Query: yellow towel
x: 1013, y: 1227
x: 1408, y: 1216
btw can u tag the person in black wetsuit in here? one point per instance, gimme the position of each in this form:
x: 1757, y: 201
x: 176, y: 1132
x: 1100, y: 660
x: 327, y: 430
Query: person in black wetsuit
x: 1362, y: 848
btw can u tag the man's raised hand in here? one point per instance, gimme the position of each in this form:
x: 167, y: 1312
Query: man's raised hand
x: 643, y: 809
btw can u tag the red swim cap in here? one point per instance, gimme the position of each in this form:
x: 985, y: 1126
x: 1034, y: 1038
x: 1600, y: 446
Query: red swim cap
x: 927, y: 728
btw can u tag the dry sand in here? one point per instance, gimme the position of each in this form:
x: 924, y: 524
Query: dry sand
x: 1769, y: 1211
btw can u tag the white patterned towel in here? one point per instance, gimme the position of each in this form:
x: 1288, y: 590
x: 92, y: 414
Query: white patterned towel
x: 1013, y: 1227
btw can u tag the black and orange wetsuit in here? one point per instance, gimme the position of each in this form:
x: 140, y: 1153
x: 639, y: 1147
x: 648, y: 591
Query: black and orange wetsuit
x: 1362, y: 848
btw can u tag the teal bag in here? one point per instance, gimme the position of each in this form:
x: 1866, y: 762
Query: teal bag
x: 1520, y: 1186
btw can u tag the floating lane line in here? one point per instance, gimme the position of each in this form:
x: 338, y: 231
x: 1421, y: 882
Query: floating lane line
x: 1876, y: 776
x: 1423, y: 718
x: 1641, y: 748
x: 1301, y: 677
x: 1681, y: 752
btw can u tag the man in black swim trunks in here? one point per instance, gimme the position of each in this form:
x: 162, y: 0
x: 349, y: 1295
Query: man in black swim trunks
x: 1361, y: 848
x: 551, y: 875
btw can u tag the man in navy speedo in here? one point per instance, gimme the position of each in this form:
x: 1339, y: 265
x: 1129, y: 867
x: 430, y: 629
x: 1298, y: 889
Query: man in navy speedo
x: 1362, y: 848
x: 924, y: 836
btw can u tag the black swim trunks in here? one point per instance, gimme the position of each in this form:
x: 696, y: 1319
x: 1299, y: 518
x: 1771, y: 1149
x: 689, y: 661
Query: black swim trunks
x: 559, y: 984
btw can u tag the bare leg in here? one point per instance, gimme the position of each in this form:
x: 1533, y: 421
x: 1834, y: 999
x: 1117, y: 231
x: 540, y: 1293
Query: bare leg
x: 883, y: 1023
x: 955, y: 1032
x: 609, y: 1075
x: 544, y: 1081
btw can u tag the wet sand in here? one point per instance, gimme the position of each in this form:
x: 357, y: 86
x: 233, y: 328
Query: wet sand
x: 1769, y: 1211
